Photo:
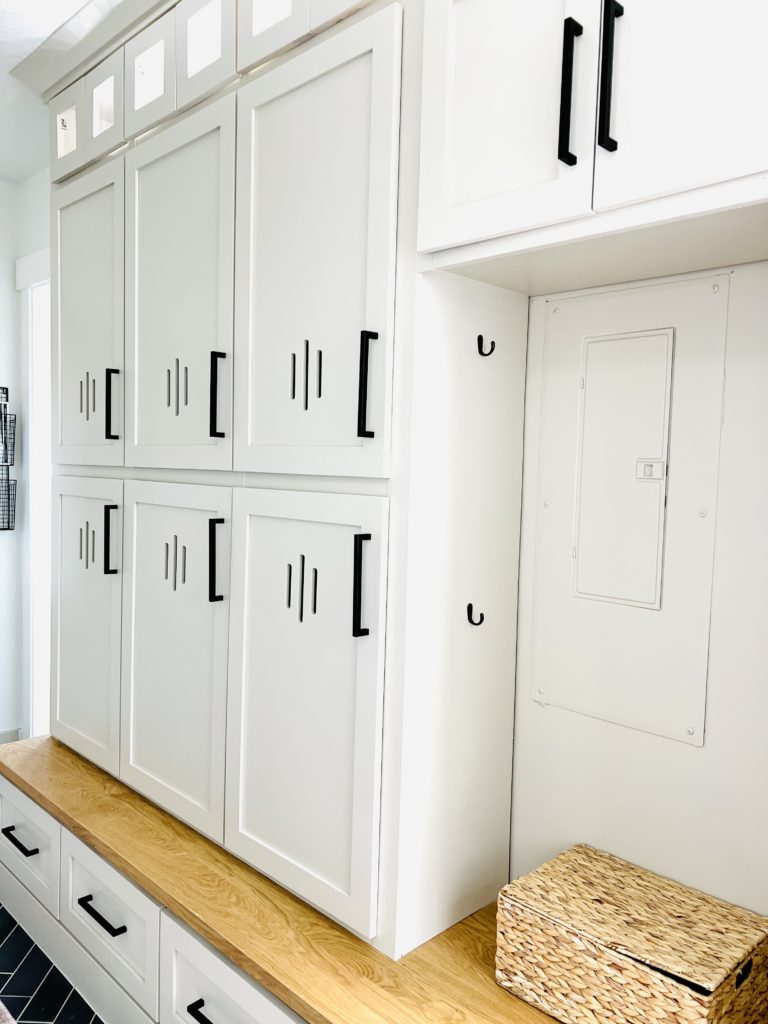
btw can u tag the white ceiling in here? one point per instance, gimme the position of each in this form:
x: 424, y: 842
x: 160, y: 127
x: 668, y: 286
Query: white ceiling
x: 24, y: 24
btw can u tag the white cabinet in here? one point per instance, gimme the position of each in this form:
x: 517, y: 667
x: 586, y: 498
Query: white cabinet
x: 150, y: 75
x: 179, y: 245
x: 315, y: 257
x: 30, y: 845
x: 87, y: 318
x: 322, y: 12
x: 205, y: 47
x: 677, y: 119
x: 67, y: 135
x: 305, y: 694
x: 508, y: 116
x: 264, y: 27
x: 87, y: 546
x: 104, y: 106
x: 176, y: 601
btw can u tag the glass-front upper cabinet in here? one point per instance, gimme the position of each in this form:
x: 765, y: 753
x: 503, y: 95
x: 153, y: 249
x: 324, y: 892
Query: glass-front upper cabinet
x: 104, y: 106
x: 150, y: 75
x: 67, y: 130
x: 205, y: 48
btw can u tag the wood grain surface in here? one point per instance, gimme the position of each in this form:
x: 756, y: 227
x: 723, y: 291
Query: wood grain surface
x: 321, y: 971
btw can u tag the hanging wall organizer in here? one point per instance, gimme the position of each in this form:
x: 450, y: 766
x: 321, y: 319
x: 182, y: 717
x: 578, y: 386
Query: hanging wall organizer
x: 7, y: 454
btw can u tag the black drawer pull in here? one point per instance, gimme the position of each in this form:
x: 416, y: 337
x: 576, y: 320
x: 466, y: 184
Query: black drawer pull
x: 108, y: 539
x: 213, y: 429
x: 571, y: 30
x: 357, y: 586
x: 366, y: 337
x: 108, y: 435
x: 194, y: 1012
x: 85, y: 902
x: 8, y: 833
x: 611, y: 12
x: 213, y: 597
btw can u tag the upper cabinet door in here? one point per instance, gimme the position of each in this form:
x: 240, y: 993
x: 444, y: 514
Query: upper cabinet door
x: 85, y: 690
x: 205, y: 47
x: 67, y: 131
x: 508, y: 116
x: 180, y: 224
x: 322, y: 12
x: 673, y: 120
x: 305, y: 694
x: 264, y: 27
x: 87, y: 326
x: 176, y: 603
x: 315, y: 257
x: 104, y: 106
x: 150, y: 75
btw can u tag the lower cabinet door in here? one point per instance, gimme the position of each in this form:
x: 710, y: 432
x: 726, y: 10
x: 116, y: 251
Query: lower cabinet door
x: 197, y: 985
x: 175, y: 655
x: 30, y: 841
x: 85, y: 692
x: 305, y: 694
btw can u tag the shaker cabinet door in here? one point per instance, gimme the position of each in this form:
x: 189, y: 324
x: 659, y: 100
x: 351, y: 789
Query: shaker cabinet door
x: 175, y: 653
x: 508, y: 116
x: 305, y: 696
x: 180, y: 225
x: 85, y: 692
x: 87, y: 318
x: 317, y: 188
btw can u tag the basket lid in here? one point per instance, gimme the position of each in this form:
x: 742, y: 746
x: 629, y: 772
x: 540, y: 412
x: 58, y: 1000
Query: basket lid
x: 673, y: 929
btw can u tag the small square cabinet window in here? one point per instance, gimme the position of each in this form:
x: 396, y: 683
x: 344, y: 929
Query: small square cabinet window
x: 68, y: 131
x: 150, y: 75
x: 205, y: 47
x: 104, y: 106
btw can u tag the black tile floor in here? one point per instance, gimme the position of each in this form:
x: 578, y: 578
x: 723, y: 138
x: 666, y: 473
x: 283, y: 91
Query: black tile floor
x: 32, y: 990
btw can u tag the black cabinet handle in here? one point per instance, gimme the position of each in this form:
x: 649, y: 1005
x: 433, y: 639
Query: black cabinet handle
x: 194, y: 1012
x: 611, y: 11
x: 571, y: 30
x: 366, y: 337
x: 8, y: 833
x: 108, y: 435
x: 85, y: 902
x: 214, y: 402
x: 357, y: 586
x: 212, y: 595
x: 108, y: 539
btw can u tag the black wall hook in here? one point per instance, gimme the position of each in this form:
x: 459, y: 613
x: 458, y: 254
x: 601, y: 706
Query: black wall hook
x: 480, y: 348
x: 471, y: 616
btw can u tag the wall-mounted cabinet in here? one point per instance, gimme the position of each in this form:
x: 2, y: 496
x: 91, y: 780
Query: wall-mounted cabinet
x: 180, y: 221
x: 67, y: 136
x: 205, y: 47
x: 264, y: 27
x: 315, y: 256
x: 87, y: 318
x: 104, y: 106
x: 150, y: 75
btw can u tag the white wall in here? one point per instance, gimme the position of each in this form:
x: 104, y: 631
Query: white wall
x: 34, y: 213
x: 698, y: 814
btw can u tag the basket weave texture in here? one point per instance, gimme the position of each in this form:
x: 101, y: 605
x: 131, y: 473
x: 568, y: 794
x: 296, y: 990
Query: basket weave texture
x: 591, y: 939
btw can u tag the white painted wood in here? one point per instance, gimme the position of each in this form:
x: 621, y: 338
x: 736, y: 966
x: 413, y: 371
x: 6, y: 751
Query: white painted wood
x: 205, y: 47
x: 97, y: 987
x: 131, y: 958
x: 190, y: 971
x: 35, y: 830
x: 315, y: 259
x: 104, y: 106
x: 638, y: 654
x: 85, y: 649
x: 179, y: 283
x: 175, y: 652
x: 87, y: 316
x: 150, y: 75
x: 677, y: 124
x: 491, y: 116
x: 305, y: 696
x: 265, y: 27
x: 323, y: 12
x: 67, y: 137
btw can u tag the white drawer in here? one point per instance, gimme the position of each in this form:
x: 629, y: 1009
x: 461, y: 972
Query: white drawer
x: 116, y: 922
x: 198, y: 987
x: 29, y: 845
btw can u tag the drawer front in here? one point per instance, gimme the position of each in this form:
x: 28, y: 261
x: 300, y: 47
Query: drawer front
x: 198, y: 987
x: 116, y: 922
x: 30, y: 845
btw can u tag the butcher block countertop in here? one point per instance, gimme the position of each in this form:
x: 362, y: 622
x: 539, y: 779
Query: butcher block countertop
x: 314, y: 966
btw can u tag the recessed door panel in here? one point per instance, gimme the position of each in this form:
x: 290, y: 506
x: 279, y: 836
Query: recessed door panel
x: 305, y: 694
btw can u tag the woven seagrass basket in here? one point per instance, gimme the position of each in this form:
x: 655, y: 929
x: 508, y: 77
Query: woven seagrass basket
x: 591, y: 939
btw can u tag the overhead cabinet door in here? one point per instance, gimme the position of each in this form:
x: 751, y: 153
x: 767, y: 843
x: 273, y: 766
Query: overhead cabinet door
x: 508, y: 116
x: 317, y: 186
x: 88, y: 318
x: 175, y: 652
x: 305, y: 696
x: 264, y: 27
x: 682, y: 97
x: 85, y: 695
x: 180, y: 227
